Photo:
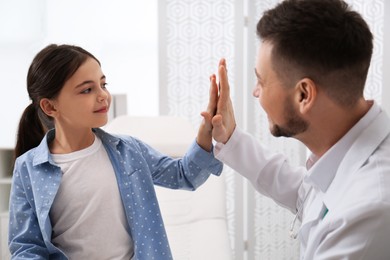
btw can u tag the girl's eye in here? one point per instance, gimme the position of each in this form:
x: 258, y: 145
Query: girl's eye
x: 104, y: 85
x: 86, y: 91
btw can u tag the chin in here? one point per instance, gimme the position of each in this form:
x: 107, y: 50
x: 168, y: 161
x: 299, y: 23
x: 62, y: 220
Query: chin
x: 100, y: 124
x: 274, y: 130
x: 275, y: 133
x: 278, y: 131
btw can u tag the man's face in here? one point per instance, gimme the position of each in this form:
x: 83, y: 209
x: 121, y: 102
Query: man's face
x: 276, y: 99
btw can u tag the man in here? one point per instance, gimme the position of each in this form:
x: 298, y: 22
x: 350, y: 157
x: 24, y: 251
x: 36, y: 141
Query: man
x: 311, y: 70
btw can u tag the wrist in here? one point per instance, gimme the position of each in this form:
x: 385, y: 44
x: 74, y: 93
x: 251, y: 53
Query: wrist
x: 205, y: 140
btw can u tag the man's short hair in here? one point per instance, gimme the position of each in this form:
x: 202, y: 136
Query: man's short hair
x: 324, y: 40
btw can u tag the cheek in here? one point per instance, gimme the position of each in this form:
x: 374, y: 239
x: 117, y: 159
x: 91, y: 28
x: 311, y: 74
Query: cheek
x: 109, y: 98
x: 270, y: 104
x: 263, y: 100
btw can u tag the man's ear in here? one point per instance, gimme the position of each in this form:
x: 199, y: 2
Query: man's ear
x: 306, y: 93
x: 48, y: 107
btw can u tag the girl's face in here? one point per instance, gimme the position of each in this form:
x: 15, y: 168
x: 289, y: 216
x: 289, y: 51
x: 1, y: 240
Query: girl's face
x: 84, y: 101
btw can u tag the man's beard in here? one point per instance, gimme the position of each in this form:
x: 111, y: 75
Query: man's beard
x: 294, y: 126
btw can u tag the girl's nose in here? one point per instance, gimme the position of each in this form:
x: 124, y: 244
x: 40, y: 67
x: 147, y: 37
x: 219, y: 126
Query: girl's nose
x: 103, y: 95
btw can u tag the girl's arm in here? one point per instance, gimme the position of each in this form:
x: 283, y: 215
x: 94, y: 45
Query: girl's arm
x: 188, y: 172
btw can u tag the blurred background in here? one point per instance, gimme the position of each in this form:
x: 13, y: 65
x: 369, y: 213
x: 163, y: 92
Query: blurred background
x: 159, y: 55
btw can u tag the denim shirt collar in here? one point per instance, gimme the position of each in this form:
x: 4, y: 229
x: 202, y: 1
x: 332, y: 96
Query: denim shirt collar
x: 42, y: 151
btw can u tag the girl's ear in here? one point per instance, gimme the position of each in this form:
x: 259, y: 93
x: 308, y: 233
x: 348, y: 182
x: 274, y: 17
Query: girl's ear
x: 48, y: 107
x: 306, y: 90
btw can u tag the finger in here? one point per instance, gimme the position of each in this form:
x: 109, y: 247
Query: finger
x: 222, y: 62
x: 213, y: 95
x: 213, y: 88
x: 207, y: 118
x: 224, y: 94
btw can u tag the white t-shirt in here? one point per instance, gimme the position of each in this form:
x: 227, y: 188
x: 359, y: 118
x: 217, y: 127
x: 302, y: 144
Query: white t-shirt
x: 87, y: 215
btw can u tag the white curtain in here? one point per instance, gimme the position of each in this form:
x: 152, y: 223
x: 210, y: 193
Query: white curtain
x: 193, y: 36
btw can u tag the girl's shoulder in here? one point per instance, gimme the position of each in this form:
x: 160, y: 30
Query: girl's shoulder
x: 31, y: 156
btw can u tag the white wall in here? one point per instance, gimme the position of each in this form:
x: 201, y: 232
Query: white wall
x: 121, y: 34
x: 386, y: 59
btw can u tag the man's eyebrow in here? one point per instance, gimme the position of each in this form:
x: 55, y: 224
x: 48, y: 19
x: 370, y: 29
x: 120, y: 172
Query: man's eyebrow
x: 257, y: 74
x: 88, y: 82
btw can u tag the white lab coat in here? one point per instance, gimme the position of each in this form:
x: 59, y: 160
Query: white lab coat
x: 345, y: 195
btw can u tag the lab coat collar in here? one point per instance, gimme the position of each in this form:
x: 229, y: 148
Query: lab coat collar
x: 345, y: 157
x: 322, y: 173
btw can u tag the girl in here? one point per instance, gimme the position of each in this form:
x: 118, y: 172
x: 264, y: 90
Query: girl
x: 79, y: 192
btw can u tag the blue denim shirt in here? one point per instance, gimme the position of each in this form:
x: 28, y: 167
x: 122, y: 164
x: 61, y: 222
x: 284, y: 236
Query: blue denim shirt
x: 137, y: 167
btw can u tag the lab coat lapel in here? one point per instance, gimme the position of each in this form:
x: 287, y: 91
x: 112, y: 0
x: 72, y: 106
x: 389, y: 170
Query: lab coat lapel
x: 311, y: 217
x: 359, y: 152
x: 357, y: 155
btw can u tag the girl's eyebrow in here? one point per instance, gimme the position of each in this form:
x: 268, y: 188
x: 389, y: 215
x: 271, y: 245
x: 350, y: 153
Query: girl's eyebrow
x: 88, y: 82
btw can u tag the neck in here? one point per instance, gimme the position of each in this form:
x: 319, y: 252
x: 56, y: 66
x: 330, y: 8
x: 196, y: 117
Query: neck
x: 71, y: 141
x: 330, y: 123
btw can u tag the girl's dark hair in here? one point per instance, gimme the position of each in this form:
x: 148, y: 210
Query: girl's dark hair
x: 321, y: 39
x: 48, y: 72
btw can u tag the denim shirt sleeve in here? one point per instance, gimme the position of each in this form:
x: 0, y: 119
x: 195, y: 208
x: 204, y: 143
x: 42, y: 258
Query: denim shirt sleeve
x: 188, y: 172
x: 25, y: 237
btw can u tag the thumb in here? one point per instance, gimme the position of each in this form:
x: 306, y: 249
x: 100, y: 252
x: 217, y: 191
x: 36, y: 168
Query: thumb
x: 217, y: 121
x: 219, y: 131
x: 207, y: 117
